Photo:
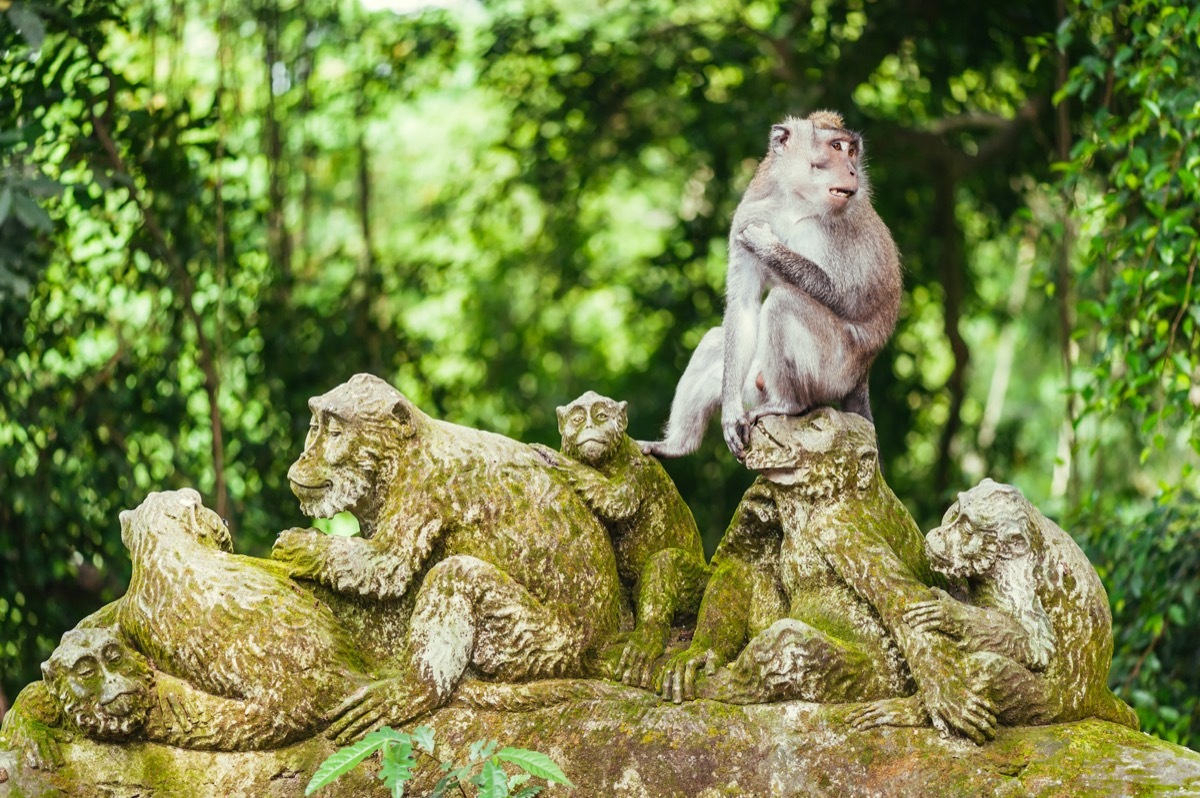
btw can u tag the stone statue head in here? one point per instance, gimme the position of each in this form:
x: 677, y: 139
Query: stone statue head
x: 354, y: 427
x: 825, y: 450
x: 103, y: 686
x: 987, y: 523
x: 592, y: 427
x: 170, y: 511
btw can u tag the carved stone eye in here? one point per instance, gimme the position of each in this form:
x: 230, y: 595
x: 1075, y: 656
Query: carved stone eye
x: 112, y: 652
x: 84, y: 667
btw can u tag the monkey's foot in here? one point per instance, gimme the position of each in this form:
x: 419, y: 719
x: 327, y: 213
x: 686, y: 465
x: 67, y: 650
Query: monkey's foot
x: 388, y: 701
x: 676, y: 680
x: 780, y: 408
x: 637, y: 660
x: 889, y: 712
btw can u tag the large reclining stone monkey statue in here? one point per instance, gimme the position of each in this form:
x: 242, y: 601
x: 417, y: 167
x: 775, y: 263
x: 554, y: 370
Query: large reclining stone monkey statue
x: 244, y: 657
x: 1038, y: 627
x: 850, y: 563
x: 660, y: 558
x: 512, y: 573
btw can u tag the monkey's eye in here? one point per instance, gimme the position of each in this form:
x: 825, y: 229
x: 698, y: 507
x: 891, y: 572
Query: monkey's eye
x: 853, y: 152
x: 837, y: 145
x: 84, y: 668
x: 601, y: 416
x: 112, y: 652
x: 578, y: 417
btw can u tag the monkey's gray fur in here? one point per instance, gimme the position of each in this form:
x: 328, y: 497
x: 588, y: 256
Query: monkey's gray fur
x: 806, y: 231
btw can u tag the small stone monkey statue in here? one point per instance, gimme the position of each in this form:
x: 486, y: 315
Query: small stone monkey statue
x: 660, y: 558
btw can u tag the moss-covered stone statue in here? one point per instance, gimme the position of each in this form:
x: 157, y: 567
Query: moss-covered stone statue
x: 512, y: 574
x: 660, y: 558
x: 1038, y: 629
x: 850, y: 563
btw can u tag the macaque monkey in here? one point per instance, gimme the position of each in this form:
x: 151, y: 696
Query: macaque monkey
x: 804, y: 230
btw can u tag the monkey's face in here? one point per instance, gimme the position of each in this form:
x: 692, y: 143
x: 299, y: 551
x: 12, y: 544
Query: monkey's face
x: 171, y: 510
x: 102, y: 685
x: 821, y: 165
x: 592, y: 427
x: 966, y: 544
x: 336, y: 470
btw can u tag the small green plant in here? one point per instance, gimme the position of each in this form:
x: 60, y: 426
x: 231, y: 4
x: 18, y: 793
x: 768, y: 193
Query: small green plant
x: 484, y: 768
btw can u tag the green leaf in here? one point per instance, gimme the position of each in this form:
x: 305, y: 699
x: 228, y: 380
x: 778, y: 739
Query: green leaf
x: 344, y: 760
x: 398, y: 765
x: 492, y: 781
x: 535, y: 763
x: 482, y: 749
x: 423, y: 737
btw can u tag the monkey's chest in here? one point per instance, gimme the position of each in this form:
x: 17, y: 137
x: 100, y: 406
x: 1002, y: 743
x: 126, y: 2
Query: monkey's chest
x: 805, y: 237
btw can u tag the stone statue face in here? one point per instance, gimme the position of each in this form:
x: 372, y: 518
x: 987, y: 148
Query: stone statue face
x: 350, y: 426
x: 987, y: 523
x: 102, y: 685
x: 592, y: 427
x: 824, y: 450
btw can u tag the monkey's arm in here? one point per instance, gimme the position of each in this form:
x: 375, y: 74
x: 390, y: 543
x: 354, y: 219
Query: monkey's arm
x: 35, y: 726
x: 380, y: 567
x: 848, y: 540
x: 792, y: 267
x: 988, y: 629
x: 743, y: 303
x: 186, y: 717
x: 615, y: 499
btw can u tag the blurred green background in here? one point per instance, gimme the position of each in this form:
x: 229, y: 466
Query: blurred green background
x: 212, y: 210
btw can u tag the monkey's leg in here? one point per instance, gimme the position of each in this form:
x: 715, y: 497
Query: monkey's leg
x: 696, y: 399
x: 1019, y: 697
x: 673, y: 581
x: 859, y: 401
x: 791, y: 659
x: 468, y: 612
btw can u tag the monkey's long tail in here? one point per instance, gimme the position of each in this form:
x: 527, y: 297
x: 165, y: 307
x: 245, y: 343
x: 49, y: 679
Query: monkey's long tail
x: 696, y: 399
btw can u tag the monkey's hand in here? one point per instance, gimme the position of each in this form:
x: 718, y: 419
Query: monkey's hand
x: 676, y: 680
x: 735, y: 426
x: 301, y: 548
x: 637, y: 661
x: 41, y: 744
x: 943, y: 614
x: 759, y: 238
x: 889, y: 712
x: 954, y: 701
x: 550, y: 456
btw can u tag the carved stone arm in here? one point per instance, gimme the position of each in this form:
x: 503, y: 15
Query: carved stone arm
x: 380, y: 567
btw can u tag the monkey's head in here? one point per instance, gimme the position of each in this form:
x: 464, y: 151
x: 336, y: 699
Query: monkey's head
x: 592, y: 427
x: 172, y: 512
x: 824, y: 452
x: 819, y: 160
x: 101, y: 684
x: 989, y: 523
x: 355, y: 429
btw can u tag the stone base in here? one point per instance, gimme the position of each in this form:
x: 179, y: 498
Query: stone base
x: 639, y: 747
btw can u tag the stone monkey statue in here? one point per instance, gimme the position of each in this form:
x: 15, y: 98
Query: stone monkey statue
x: 660, y: 557
x: 1038, y: 629
x: 512, y: 575
x: 806, y: 230
x: 849, y: 565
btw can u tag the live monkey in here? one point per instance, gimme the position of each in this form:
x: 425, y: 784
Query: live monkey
x: 805, y: 229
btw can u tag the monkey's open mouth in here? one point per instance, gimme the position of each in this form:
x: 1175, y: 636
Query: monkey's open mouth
x: 845, y: 193
x: 300, y: 486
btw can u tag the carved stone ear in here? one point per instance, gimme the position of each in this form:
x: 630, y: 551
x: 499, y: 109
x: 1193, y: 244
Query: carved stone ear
x: 623, y: 416
x: 47, y: 671
x: 561, y: 412
x: 868, y: 463
x: 403, y: 411
x: 779, y: 137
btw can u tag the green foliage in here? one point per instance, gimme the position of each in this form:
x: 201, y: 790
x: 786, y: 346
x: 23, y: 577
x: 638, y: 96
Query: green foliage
x: 483, y: 768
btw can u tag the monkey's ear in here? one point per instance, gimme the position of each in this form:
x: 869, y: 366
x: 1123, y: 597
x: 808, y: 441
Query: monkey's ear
x: 623, y: 415
x: 46, y: 671
x: 868, y: 463
x: 403, y: 412
x: 779, y: 137
x: 561, y: 412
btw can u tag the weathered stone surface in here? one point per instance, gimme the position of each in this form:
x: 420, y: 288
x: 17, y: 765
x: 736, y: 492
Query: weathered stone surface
x: 642, y: 748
